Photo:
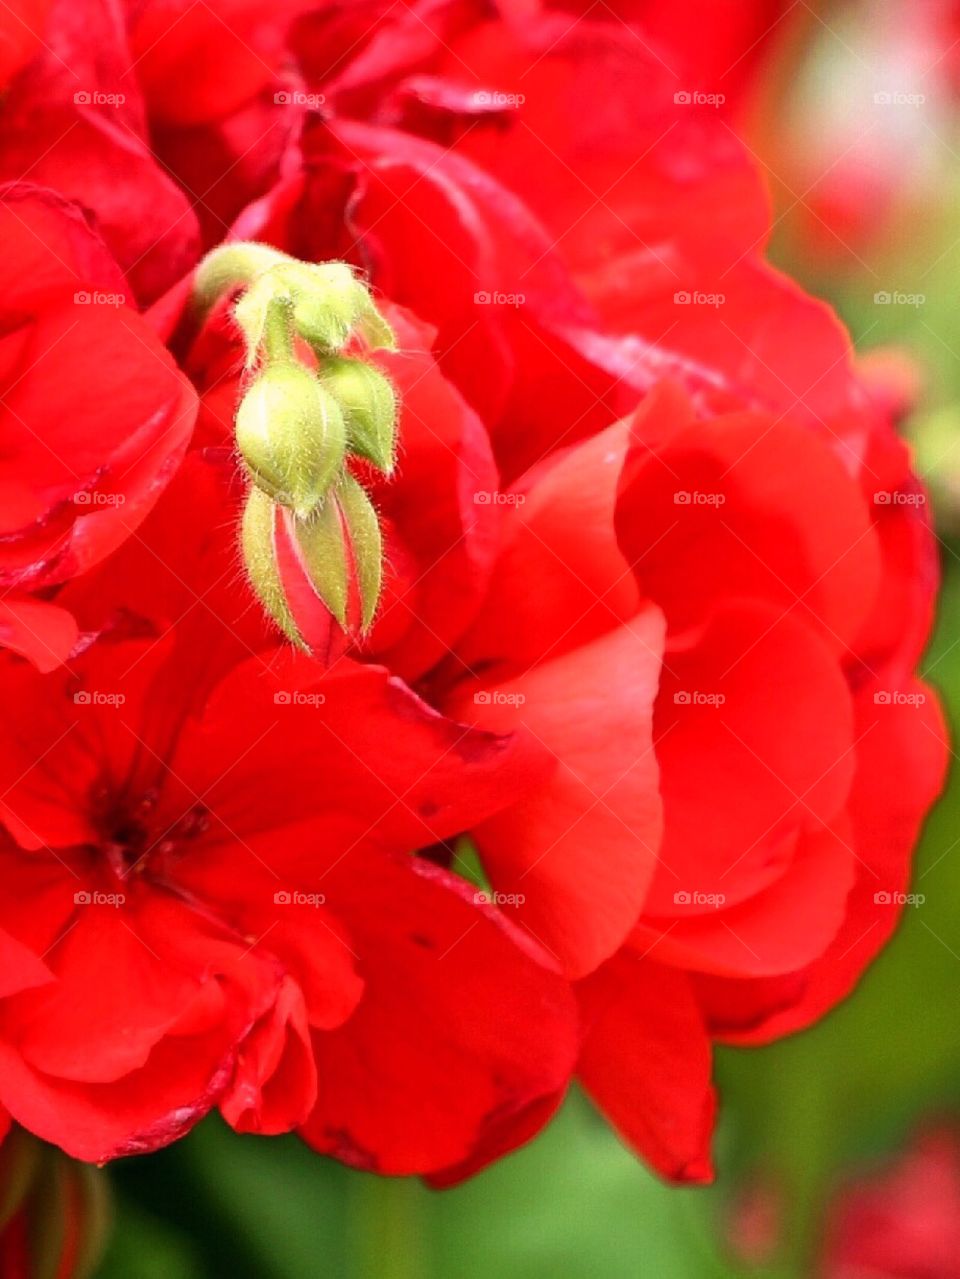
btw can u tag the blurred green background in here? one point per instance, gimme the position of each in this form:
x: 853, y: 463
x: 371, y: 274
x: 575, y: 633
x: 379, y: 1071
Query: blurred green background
x: 800, y: 1116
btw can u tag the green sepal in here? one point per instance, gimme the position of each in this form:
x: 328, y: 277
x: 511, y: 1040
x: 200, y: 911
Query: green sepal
x: 321, y: 542
x: 258, y: 547
x: 363, y: 526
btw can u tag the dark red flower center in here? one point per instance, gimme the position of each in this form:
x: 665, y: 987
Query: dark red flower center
x: 136, y: 838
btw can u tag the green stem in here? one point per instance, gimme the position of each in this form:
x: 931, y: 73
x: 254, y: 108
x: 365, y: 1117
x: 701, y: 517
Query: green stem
x: 231, y: 265
x: 387, y: 1223
x: 278, y: 331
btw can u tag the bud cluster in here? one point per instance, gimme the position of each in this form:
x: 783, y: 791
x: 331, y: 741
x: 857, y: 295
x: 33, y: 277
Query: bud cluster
x: 311, y: 405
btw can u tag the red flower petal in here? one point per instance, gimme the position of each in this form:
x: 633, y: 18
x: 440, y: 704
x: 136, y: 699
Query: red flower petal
x: 754, y: 735
x: 458, y: 1029
x: 900, y: 736
x: 724, y: 509
x: 646, y: 1063
x: 580, y: 851
x: 558, y: 533
x: 789, y: 923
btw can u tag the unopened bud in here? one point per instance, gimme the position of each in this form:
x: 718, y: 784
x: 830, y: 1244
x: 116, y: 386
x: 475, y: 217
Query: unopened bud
x: 310, y: 535
x: 326, y: 303
x: 333, y: 556
x: 292, y: 436
x: 341, y: 551
x: 330, y: 304
x: 369, y: 408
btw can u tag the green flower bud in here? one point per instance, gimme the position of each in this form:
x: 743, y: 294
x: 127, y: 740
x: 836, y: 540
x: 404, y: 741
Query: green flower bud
x: 295, y: 427
x: 327, y: 302
x: 338, y: 548
x: 292, y: 436
x: 369, y: 408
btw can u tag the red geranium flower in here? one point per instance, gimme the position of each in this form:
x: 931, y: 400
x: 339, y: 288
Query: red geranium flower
x: 210, y: 901
x: 657, y: 578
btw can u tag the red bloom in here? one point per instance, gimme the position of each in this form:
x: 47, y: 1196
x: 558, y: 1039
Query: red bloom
x: 720, y: 601
x: 184, y: 927
x: 657, y: 580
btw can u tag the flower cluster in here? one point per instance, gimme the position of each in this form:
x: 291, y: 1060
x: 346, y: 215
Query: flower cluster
x: 389, y: 331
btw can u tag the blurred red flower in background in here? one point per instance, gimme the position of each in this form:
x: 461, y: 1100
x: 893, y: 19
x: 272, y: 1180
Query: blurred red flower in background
x: 54, y: 1213
x: 658, y: 576
x: 902, y: 1222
